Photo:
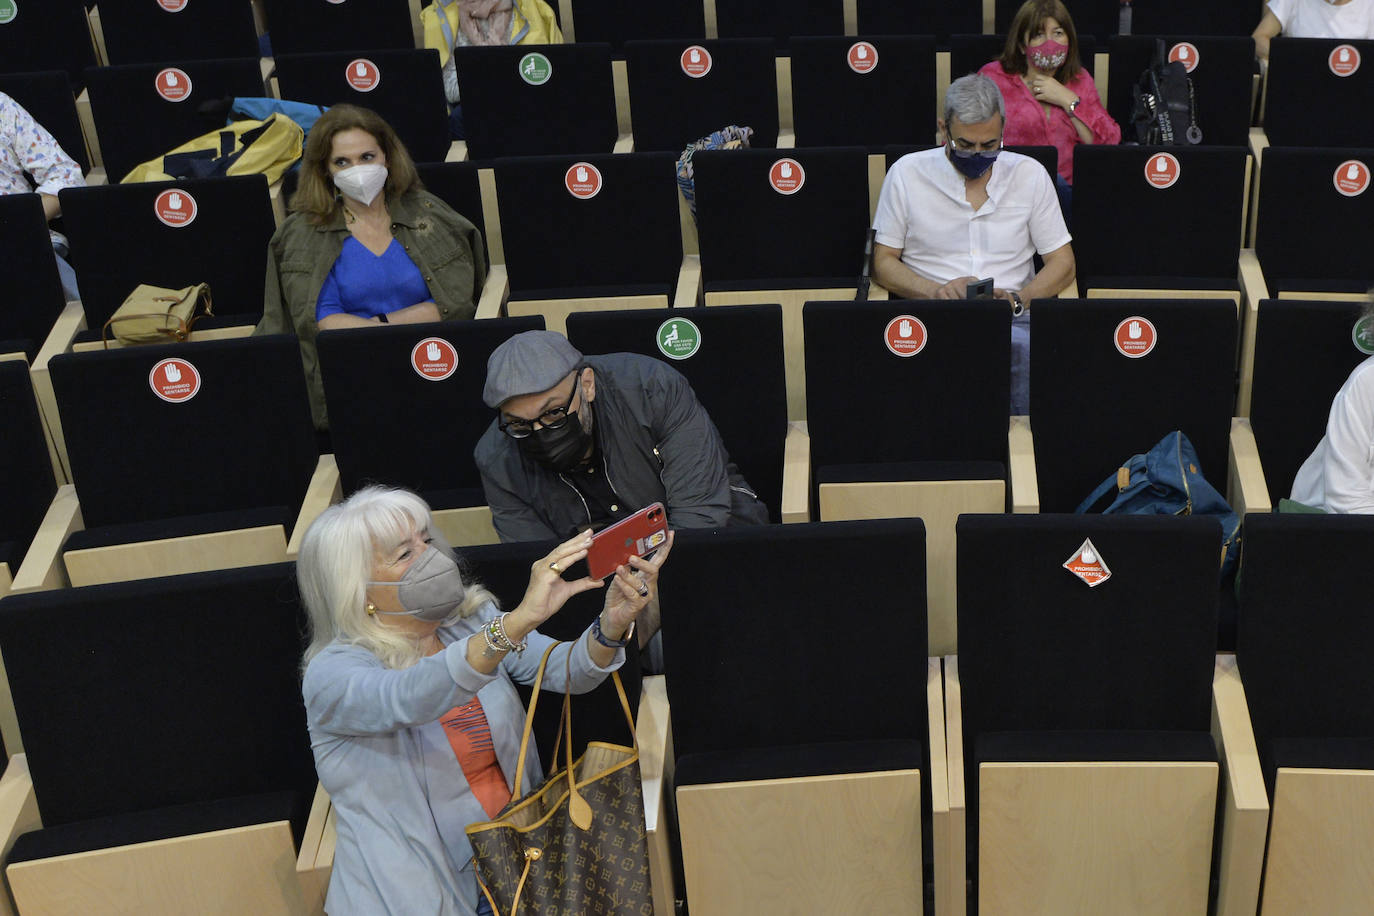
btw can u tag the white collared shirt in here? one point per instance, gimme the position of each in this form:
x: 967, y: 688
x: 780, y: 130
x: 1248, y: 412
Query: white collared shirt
x: 1319, y: 19
x: 922, y: 211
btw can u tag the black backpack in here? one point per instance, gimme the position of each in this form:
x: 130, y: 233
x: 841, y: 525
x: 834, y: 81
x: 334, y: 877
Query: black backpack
x: 1165, y: 111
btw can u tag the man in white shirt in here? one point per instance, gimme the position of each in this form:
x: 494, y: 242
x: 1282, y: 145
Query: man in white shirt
x: 1346, y: 19
x: 968, y: 210
x: 1339, y: 474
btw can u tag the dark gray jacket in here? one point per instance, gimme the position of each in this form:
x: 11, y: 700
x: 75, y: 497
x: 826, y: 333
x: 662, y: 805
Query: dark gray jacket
x: 658, y: 444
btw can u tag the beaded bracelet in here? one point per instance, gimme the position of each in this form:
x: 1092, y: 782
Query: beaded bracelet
x: 497, y: 634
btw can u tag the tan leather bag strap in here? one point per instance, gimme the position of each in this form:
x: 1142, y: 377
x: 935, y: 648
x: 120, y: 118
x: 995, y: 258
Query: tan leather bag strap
x: 529, y: 718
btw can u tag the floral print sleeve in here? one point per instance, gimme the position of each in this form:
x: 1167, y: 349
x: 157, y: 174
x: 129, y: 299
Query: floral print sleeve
x: 25, y: 146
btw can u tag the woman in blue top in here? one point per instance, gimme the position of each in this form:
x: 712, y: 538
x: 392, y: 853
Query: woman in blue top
x: 410, y: 698
x: 365, y: 244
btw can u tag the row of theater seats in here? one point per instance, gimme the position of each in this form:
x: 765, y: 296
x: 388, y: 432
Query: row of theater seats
x: 73, y: 34
x: 748, y: 244
x: 1085, y: 750
x: 198, y: 475
x: 811, y: 97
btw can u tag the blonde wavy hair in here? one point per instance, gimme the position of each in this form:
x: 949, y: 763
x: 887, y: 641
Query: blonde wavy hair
x: 335, y: 564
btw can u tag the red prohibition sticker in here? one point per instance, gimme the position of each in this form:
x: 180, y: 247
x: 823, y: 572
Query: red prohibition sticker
x: 1135, y: 337
x: 175, y: 208
x: 363, y: 75
x: 434, y: 359
x: 696, y: 61
x: 1162, y: 170
x: 583, y: 180
x: 1351, y: 178
x: 787, y: 176
x: 1185, y: 53
x: 173, y: 84
x: 1088, y: 565
x: 174, y: 380
x: 173, y: 6
x: 905, y: 335
x: 1344, y: 60
x: 863, y: 57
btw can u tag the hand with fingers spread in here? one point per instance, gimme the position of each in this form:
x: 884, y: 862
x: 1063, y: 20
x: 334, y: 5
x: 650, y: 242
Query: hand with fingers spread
x: 548, y: 590
x: 631, y: 590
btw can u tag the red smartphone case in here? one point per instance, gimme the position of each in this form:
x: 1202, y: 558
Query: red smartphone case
x: 641, y: 533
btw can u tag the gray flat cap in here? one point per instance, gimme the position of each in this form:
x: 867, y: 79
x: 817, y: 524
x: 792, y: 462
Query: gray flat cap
x: 526, y: 364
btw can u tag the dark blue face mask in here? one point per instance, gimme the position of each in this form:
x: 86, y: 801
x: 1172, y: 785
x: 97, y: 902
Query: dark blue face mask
x: 971, y: 163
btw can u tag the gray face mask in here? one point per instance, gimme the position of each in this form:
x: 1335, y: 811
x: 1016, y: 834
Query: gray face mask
x: 431, y: 589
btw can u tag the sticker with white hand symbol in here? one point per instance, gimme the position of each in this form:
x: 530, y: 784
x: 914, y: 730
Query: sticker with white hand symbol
x: 434, y: 359
x: 583, y: 180
x: 1162, y: 170
x: 174, y: 380
x: 696, y: 62
x: 173, y: 84
x: 175, y: 208
x: 1135, y: 337
x: 1351, y: 178
x: 905, y: 335
x: 863, y: 57
x: 787, y: 176
x: 363, y: 75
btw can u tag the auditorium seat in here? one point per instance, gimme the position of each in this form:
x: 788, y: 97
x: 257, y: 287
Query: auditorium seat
x: 512, y: 107
x: 137, y: 32
x: 1096, y: 745
x: 178, y: 464
x: 166, y: 766
x: 839, y: 99
x: 831, y: 789
x: 1317, y: 81
x: 618, y: 21
x: 733, y: 358
x: 804, y: 242
x: 58, y: 37
x: 779, y: 20
x: 27, y: 482
x: 302, y: 28
x: 404, y: 86
x: 33, y: 297
x: 591, y: 232
x: 384, y: 412
x: 1223, y: 71
x: 1092, y: 407
x: 1303, y: 654
x: 940, y: 18
x: 910, y: 424
x: 1130, y: 204
x: 1304, y: 352
x: 671, y: 107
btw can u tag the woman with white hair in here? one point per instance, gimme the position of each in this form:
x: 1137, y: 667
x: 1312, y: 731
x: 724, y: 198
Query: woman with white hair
x: 409, y: 692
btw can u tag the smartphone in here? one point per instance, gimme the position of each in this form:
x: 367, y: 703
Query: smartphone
x: 980, y: 289
x: 639, y: 535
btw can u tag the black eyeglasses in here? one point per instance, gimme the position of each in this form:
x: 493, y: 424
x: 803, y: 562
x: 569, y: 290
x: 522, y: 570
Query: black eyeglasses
x: 553, y: 418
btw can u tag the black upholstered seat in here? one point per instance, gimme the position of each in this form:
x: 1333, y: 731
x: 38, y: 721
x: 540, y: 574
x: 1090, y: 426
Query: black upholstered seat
x: 60, y: 38
x: 298, y: 28
x: 34, y: 295
x: 138, y: 33
x: 136, y: 123
x: 835, y: 105
x: 1304, y: 84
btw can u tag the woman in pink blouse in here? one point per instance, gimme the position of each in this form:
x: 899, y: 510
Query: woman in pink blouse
x: 1051, y: 99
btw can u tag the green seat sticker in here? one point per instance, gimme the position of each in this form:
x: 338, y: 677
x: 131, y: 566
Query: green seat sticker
x: 678, y: 338
x: 1363, y: 335
x: 8, y: 10
x: 535, y: 68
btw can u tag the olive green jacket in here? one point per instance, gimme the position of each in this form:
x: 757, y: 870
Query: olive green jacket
x: 446, y: 247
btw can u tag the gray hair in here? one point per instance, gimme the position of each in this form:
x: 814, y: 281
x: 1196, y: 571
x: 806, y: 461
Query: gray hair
x: 335, y: 564
x: 973, y: 99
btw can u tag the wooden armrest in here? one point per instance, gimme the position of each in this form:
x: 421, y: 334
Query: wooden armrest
x: 324, y: 491
x: 940, y: 821
x: 877, y: 293
x: 1025, y: 486
x: 787, y: 139
x: 1253, y: 287
x: 6, y: 577
x: 689, y: 292
x: 457, y: 151
x: 97, y: 177
x: 654, y: 733
x: 43, y: 568
x: 1246, y: 487
x: 494, y: 293
x: 1245, y: 803
x: 312, y: 875
x: 625, y: 143
x: 950, y: 895
x: 796, y: 473
x: 18, y: 811
x: 1070, y: 291
x: 59, y: 340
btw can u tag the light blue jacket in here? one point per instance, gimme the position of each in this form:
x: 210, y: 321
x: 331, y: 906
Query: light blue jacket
x: 400, y: 799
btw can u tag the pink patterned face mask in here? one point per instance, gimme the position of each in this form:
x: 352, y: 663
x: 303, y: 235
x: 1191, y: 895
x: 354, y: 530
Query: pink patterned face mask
x: 1049, y: 56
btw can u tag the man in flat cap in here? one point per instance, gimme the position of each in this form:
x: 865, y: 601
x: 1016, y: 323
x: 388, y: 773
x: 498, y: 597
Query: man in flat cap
x: 584, y: 441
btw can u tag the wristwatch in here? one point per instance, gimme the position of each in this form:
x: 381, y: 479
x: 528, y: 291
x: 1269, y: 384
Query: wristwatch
x: 1073, y: 106
x: 1017, y: 306
x: 606, y: 640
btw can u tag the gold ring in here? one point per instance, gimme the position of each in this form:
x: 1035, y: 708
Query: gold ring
x: 555, y: 567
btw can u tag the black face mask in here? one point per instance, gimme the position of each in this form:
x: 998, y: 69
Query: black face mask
x: 557, y: 449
